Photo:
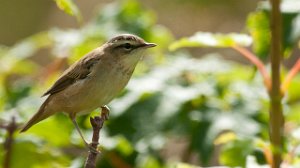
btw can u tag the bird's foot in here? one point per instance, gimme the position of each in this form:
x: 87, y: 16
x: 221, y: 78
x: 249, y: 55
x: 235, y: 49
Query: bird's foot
x: 92, y: 147
x: 105, y: 112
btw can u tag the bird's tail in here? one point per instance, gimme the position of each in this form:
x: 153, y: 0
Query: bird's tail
x: 39, y: 116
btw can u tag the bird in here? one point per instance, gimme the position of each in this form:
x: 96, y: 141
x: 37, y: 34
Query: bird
x: 93, y: 81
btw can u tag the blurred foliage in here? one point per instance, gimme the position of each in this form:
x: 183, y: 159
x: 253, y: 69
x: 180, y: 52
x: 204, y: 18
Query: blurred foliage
x: 175, y: 109
x: 238, y: 147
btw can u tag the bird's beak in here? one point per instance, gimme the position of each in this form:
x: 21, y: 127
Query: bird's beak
x: 149, y: 45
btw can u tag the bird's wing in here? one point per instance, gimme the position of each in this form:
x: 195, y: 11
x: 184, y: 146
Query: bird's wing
x: 78, y: 70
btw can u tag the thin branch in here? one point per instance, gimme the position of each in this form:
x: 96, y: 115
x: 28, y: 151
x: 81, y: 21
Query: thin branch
x: 97, y: 124
x: 260, y: 66
x: 292, y: 73
x: 11, y: 128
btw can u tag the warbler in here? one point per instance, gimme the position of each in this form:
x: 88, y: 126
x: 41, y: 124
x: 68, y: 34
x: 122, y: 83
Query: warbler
x: 93, y: 81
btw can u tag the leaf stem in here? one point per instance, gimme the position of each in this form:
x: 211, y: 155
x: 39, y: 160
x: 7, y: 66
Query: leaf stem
x: 292, y: 73
x: 260, y: 66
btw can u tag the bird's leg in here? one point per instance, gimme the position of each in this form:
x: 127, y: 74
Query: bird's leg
x: 79, y: 131
x: 105, y: 112
x: 89, y: 146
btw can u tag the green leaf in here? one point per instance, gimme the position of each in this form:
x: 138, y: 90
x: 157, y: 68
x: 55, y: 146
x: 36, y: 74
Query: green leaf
x: 69, y: 7
x: 206, y: 39
x: 259, y: 27
x: 259, y: 23
x: 235, y: 153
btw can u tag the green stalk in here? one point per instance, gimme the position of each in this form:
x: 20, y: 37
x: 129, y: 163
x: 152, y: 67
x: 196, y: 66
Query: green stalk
x: 276, y: 113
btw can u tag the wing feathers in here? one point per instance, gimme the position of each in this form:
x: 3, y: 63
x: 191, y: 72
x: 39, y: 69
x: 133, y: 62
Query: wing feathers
x: 79, y: 70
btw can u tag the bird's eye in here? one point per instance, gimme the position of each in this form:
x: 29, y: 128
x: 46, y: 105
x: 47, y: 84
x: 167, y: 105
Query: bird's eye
x: 127, y: 46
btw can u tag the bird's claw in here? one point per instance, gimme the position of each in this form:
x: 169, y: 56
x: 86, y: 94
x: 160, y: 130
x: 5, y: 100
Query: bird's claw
x: 92, y: 149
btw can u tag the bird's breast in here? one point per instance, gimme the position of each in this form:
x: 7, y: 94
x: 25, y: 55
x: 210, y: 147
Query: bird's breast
x: 110, y: 82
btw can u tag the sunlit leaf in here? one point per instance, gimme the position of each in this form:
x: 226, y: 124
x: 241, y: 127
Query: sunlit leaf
x: 69, y: 7
x: 205, y: 39
x: 225, y: 138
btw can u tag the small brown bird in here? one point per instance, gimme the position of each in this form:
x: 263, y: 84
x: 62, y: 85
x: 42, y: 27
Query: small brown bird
x: 94, y: 80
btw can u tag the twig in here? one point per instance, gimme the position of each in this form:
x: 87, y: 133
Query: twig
x: 97, y: 124
x: 11, y: 128
x: 260, y: 66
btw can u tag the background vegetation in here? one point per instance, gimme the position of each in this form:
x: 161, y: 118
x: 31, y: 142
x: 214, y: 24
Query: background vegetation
x: 178, y: 110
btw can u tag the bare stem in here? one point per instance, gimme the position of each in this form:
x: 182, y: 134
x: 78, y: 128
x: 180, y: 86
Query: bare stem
x: 276, y: 113
x: 260, y: 66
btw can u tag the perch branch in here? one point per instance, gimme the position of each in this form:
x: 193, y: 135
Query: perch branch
x: 97, y: 124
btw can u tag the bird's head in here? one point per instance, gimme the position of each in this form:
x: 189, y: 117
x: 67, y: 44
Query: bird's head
x: 127, y: 47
